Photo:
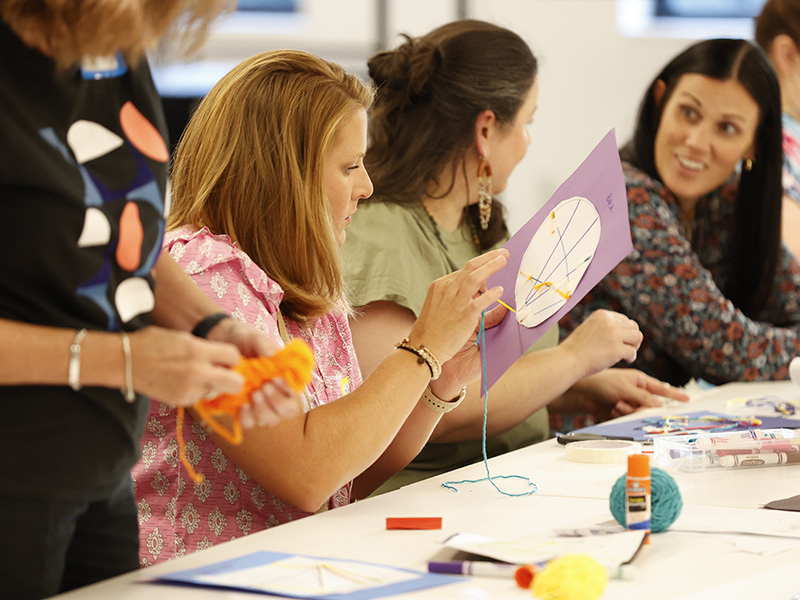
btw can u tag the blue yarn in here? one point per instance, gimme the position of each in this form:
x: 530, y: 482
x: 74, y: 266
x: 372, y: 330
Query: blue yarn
x: 665, y: 500
x: 450, y: 485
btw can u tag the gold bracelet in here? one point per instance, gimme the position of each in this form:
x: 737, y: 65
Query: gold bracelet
x: 423, y: 356
x: 438, y: 405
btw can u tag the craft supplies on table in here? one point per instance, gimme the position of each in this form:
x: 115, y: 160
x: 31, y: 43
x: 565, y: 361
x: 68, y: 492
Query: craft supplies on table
x: 637, y: 494
x: 604, y: 452
x: 610, y: 550
x: 753, y: 448
x: 413, y: 522
x: 763, y: 405
x: 665, y: 500
x: 689, y: 424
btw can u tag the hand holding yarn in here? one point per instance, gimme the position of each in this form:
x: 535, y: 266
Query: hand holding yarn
x: 293, y: 364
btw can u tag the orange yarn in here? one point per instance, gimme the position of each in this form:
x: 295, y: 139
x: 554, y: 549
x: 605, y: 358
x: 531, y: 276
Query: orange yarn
x: 293, y: 364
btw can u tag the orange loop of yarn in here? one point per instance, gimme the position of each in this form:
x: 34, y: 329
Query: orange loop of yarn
x: 293, y: 364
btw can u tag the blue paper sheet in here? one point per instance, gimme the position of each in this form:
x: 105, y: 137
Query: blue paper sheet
x: 297, y: 576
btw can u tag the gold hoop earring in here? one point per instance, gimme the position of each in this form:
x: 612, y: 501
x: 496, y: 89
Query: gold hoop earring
x: 484, y: 192
x: 748, y: 164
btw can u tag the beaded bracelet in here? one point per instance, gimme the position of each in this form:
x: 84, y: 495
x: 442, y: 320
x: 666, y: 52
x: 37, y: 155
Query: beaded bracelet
x: 424, y: 356
x: 438, y: 405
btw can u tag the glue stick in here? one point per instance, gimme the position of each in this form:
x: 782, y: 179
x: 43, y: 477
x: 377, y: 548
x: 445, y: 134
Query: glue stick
x: 637, y: 494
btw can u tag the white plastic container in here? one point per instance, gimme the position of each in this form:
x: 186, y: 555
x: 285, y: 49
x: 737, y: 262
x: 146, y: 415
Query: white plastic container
x: 758, y: 447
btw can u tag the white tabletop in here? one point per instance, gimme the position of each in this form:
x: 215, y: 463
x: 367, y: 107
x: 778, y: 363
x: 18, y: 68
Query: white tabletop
x: 676, y: 565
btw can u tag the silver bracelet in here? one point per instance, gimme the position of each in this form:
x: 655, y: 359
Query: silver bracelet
x: 438, y: 405
x: 128, y: 391
x: 74, y: 371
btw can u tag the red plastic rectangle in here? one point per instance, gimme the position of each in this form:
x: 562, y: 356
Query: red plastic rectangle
x: 413, y: 522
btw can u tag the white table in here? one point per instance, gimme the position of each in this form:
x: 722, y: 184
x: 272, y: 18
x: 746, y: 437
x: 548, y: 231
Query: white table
x: 690, y: 566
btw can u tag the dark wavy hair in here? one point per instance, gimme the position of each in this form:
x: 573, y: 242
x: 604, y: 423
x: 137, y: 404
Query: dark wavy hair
x: 430, y: 91
x: 757, y: 235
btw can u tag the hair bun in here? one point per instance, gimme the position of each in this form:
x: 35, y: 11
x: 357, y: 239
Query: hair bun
x: 407, y: 72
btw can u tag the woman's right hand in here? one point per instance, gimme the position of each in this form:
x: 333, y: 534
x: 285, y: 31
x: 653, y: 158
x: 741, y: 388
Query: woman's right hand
x: 180, y: 369
x: 453, y: 306
x: 602, y: 340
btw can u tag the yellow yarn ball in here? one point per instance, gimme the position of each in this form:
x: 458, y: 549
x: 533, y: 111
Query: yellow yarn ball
x: 572, y: 577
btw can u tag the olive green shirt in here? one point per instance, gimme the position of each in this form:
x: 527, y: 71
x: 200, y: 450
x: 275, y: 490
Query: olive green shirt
x: 392, y: 253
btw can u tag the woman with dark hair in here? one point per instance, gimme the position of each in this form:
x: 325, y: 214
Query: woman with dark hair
x: 708, y: 279
x: 778, y: 33
x: 448, y: 128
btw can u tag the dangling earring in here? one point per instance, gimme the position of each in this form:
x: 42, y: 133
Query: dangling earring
x: 484, y: 192
x: 748, y: 164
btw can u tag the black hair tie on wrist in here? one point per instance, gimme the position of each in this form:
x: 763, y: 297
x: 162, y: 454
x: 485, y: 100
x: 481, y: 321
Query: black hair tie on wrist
x: 208, y: 323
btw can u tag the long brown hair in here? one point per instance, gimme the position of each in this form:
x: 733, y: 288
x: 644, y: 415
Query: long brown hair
x: 430, y: 91
x: 68, y: 30
x: 250, y: 165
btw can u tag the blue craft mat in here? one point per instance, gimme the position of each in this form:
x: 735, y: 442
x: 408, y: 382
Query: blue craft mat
x: 188, y: 577
x: 634, y: 428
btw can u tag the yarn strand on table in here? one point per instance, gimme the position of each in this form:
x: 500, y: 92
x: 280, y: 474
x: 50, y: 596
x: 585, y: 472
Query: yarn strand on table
x: 450, y: 485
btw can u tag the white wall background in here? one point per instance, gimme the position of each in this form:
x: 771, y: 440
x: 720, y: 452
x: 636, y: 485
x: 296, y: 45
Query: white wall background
x: 591, y: 80
x: 591, y: 76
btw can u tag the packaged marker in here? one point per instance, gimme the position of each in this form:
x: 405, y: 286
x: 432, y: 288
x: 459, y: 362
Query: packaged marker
x: 711, y: 441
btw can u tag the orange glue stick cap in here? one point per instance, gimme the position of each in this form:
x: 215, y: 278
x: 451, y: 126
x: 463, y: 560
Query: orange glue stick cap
x: 639, y: 465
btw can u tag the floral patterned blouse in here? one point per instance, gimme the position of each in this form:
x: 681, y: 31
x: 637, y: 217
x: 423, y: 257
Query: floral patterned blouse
x: 671, y: 287
x: 791, y: 157
x: 176, y: 515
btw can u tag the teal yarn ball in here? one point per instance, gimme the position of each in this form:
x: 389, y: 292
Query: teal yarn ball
x: 665, y: 500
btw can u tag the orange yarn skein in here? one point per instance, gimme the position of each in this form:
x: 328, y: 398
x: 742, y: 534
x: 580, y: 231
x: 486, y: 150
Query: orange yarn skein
x: 293, y: 364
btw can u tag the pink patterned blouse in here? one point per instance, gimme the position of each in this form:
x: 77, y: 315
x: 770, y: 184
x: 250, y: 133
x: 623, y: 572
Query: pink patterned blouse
x: 176, y: 515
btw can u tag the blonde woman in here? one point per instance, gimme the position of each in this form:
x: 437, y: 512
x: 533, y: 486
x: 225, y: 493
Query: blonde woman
x: 265, y: 180
x: 82, y: 184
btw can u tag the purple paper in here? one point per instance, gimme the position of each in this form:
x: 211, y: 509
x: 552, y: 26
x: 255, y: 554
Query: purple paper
x: 599, y: 179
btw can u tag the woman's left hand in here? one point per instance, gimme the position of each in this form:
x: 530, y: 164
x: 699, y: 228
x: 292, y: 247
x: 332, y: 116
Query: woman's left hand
x: 275, y: 400
x: 465, y: 366
x: 615, y: 392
